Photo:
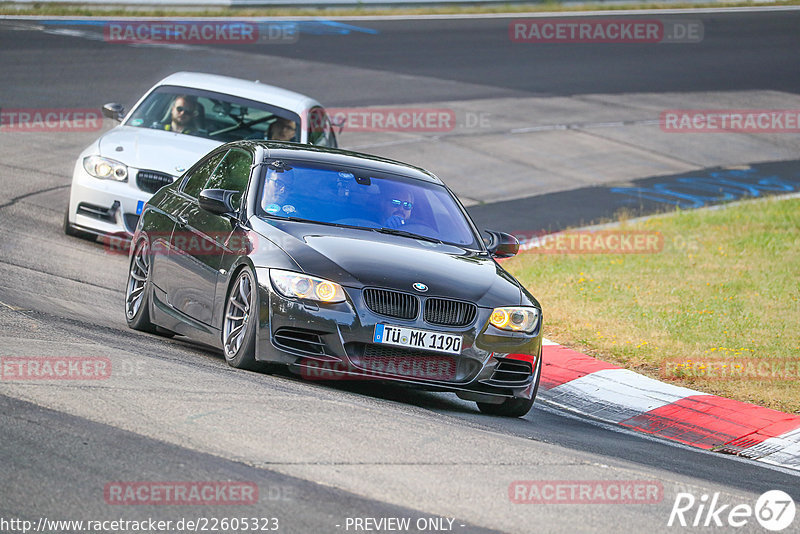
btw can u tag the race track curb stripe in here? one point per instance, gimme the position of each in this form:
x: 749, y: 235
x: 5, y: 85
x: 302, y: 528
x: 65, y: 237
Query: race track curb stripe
x: 592, y: 387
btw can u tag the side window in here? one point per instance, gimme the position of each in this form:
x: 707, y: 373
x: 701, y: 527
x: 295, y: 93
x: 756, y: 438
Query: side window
x: 193, y: 184
x: 320, y: 131
x: 233, y: 173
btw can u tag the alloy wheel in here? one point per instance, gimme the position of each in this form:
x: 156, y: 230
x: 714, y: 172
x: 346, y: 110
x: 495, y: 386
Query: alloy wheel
x: 137, y: 280
x: 237, y: 313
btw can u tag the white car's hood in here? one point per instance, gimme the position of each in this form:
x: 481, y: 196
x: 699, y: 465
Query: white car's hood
x: 144, y: 148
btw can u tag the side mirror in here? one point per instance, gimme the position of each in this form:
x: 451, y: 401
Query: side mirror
x: 218, y: 201
x: 114, y: 111
x: 502, y: 245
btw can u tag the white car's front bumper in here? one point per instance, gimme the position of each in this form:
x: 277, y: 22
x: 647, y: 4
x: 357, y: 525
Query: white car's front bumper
x: 105, y: 206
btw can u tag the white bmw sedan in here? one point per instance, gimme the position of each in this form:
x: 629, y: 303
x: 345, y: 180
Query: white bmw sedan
x: 180, y: 119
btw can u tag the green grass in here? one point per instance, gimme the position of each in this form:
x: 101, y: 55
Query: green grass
x: 78, y: 10
x: 726, y: 284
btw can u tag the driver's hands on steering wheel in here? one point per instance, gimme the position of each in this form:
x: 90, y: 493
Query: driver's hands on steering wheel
x: 395, y: 221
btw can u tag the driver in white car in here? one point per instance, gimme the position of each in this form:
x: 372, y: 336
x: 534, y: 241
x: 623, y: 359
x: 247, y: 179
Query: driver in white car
x: 183, y: 115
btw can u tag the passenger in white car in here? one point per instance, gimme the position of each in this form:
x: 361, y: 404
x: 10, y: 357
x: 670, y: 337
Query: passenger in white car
x: 282, y: 130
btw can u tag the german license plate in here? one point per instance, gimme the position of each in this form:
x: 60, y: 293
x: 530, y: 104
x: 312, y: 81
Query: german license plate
x: 417, y: 339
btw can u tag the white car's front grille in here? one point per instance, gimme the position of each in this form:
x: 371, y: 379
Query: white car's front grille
x: 152, y: 181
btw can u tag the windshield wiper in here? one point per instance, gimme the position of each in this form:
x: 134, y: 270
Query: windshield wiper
x: 240, y: 124
x: 403, y: 233
x: 300, y: 219
x: 389, y: 231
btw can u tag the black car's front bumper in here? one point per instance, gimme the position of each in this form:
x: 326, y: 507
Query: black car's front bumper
x: 335, y: 341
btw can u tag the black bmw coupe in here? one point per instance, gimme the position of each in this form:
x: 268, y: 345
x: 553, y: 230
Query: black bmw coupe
x: 339, y: 265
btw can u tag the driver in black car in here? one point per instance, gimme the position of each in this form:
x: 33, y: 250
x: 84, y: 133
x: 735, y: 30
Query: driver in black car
x: 396, y: 206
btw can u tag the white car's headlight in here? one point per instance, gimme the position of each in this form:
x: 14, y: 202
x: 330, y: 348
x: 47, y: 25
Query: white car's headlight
x: 302, y: 286
x: 515, y: 318
x: 105, y: 168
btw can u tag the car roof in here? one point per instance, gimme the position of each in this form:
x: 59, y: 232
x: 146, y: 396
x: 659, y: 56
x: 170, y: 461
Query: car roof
x: 336, y: 156
x: 252, y: 90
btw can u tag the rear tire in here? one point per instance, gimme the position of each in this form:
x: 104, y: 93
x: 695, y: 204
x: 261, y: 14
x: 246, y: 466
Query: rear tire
x: 513, y: 407
x: 241, y: 322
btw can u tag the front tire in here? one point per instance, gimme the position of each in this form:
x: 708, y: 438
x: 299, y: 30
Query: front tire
x: 513, y: 407
x: 137, y: 299
x: 241, y: 322
x: 508, y: 408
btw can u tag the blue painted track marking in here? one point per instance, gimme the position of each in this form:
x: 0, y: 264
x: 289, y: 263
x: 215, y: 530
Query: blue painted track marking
x: 696, y: 192
x: 310, y: 27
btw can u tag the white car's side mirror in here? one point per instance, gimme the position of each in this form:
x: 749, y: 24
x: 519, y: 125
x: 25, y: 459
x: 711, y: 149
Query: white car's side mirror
x: 114, y: 111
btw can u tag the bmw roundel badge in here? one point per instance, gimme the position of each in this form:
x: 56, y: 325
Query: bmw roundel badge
x: 419, y: 286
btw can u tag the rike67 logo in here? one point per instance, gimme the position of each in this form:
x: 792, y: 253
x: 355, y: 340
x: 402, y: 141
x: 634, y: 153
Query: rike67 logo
x: 774, y: 511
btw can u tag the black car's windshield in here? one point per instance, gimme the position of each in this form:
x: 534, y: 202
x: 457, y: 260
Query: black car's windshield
x: 363, y: 199
x: 215, y: 116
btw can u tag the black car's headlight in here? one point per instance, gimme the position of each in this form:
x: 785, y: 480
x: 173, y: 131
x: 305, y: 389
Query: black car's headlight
x: 515, y: 318
x: 302, y: 286
x: 105, y: 168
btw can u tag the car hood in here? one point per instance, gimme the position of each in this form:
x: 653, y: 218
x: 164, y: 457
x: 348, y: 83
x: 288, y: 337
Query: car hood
x: 359, y: 258
x: 144, y: 148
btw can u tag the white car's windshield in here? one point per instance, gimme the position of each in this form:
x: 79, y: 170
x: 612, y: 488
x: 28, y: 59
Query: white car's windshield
x: 215, y: 116
x: 364, y: 199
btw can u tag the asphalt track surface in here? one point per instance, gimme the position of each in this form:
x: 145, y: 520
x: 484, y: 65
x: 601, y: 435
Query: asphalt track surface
x: 601, y: 204
x: 328, y: 451
x: 463, y: 58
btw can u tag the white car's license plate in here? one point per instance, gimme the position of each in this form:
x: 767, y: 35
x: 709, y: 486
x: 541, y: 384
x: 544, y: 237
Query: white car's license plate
x: 417, y: 339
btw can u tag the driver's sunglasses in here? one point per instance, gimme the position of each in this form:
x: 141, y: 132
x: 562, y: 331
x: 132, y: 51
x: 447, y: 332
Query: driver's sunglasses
x: 396, y: 202
x: 190, y: 111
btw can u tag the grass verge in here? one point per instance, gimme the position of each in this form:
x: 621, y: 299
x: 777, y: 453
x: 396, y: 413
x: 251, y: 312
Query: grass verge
x: 547, y: 6
x: 725, y: 288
